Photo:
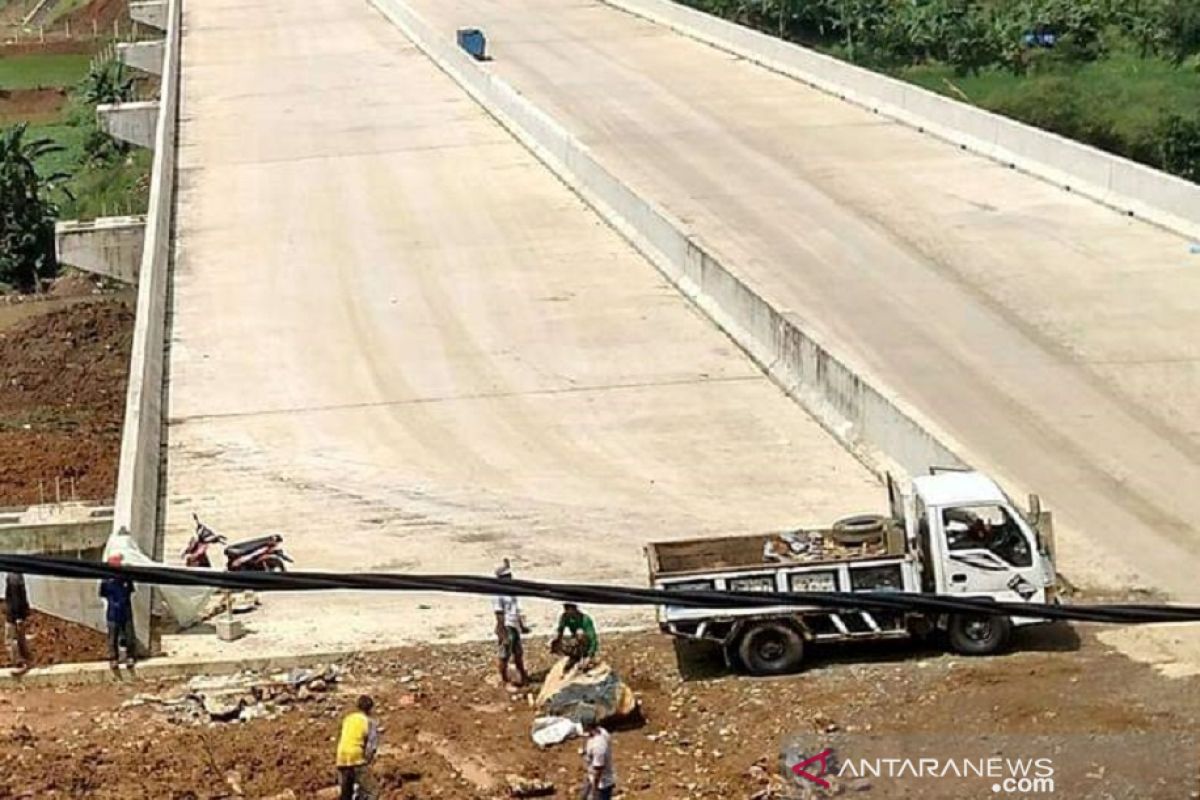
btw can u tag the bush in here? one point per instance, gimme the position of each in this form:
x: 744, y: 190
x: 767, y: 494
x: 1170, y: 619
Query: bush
x: 1179, y: 146
x: 1051, y: 104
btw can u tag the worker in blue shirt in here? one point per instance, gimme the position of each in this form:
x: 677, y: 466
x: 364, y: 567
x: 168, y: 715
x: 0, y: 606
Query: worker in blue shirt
x: 117, y: 592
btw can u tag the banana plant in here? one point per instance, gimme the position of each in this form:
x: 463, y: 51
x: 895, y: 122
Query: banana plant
x: 27, y: 209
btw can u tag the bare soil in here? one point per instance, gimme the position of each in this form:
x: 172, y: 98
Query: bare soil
x: 102, y: 12
x: 62, y: 393
x: 31, y: 105
x: 48, y: 47
x: 449, y: 733
x: 56, y: 641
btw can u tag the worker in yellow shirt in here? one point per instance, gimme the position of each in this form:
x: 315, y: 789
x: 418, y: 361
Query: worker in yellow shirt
x: 356, y: 750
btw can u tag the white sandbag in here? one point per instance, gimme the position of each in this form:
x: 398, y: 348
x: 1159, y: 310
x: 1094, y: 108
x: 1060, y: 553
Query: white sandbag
x: 554, y: 730
x: 186, y: 603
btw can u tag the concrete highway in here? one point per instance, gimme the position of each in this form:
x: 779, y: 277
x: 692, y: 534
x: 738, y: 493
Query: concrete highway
x: 1053, y: 338
x: 398, y: 340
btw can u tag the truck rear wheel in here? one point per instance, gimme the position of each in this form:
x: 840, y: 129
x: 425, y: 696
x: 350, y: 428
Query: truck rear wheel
x: 978, y: 634
x: 771, y: 648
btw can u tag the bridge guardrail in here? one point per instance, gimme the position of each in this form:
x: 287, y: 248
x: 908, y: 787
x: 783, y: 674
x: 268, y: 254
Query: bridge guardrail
x: 136, y: 507
x: 1125, y: 185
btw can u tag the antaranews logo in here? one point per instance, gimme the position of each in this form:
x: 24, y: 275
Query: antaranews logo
x: 814, y: 769
x: 1134, y: 765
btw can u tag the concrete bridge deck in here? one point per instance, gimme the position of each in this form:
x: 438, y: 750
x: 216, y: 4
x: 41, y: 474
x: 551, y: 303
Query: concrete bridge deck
x: 400, y: 341
x: 1055, y: 339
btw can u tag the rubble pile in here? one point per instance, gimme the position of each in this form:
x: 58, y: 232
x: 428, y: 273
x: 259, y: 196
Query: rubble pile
x: 241, y: 697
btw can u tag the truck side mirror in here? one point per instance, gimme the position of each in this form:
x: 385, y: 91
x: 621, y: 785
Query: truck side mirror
x: 1035, y: 508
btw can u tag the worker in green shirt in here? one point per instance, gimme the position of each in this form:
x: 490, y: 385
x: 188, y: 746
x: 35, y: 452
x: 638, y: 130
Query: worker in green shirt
x: 580, y: 642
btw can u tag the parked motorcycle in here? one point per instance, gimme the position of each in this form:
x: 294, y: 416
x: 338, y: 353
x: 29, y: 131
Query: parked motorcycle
x: 196, y: 552
x: 263, y: 554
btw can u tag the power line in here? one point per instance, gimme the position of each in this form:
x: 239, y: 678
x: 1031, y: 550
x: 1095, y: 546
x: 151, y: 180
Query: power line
x: 598, y: 594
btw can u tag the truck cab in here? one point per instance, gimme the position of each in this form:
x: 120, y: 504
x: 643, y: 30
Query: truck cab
x: 973, y: 541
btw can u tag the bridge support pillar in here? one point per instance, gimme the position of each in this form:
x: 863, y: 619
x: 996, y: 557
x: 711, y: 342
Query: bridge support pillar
x: 146, y: 56
x: 109, y: 246
x: 152, y: 13
x: 130, y: 122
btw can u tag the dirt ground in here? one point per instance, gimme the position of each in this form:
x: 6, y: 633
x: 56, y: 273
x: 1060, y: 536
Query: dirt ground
x: 102, y: 12
x: 56, y: 641
x: 62, y: 393
x: 56, y: 46
x: 1114, y: 729
x: 31, y: 105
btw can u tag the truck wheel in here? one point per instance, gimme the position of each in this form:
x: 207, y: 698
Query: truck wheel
x: 978, y: 635
x: 771, y: 648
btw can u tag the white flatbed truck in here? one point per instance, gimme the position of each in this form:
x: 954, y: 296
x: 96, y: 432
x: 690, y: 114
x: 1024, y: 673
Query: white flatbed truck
x: 955, y: 533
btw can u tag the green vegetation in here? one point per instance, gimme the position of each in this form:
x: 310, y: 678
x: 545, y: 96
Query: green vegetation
x: 27, y: 209
x: 1123, y: 75
x: 42, y: 71
x: 68, y: 168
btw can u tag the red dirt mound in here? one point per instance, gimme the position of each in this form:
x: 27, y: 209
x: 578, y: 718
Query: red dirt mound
x: 62, y: 394
x: 56, y: 641
x: 102, y: 12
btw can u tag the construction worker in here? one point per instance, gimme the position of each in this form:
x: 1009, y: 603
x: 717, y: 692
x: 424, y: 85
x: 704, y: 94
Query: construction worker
x: 357, y: 746
x: 601, y: 778
x: 580, y: 642
x: 117, y: 592
x: 510, y: 625
x: 16, y: 619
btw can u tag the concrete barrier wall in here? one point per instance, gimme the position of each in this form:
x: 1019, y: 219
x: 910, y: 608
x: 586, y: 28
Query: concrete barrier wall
x: 872, y: 424
x: 1112, y: 180
x: 136, y: 507
x: 66, y: 530
x: 55, y: 538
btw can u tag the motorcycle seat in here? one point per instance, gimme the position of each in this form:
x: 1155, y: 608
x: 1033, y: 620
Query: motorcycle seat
x: 250, y: 545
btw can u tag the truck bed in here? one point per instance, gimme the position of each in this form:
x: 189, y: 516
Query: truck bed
x: 750, y: 552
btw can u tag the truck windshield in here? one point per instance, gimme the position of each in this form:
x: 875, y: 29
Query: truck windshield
x: 987, y: 527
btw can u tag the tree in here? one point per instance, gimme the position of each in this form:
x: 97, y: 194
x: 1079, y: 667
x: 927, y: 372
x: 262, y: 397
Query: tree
x: 27, y: 212
x: 1181, y: 28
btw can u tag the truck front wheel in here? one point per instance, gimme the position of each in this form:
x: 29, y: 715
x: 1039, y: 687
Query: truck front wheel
x: 978, y: 634
x: 771, y: 648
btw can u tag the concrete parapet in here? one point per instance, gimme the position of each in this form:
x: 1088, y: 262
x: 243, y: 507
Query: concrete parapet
x: 130, y: 122
x: 136, y: 506
x: 146, y: 56
x: 877, y: 427
x: 109, y: 246
x: 153, y: 14
x: 1114, y: 181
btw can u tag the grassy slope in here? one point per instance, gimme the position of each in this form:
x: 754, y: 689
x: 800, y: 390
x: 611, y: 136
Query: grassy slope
x: 1126, y: 93
x: 106, y: 189
x: 37, y: 70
